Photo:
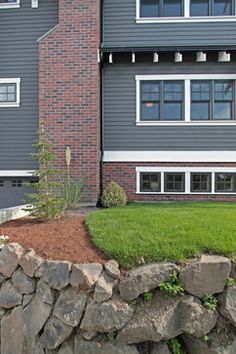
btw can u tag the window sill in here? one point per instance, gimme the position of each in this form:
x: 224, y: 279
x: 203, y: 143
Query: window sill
x: 8, y: 105
x: 184, y: 123
x: 9, y: 6
x: 185, y: 19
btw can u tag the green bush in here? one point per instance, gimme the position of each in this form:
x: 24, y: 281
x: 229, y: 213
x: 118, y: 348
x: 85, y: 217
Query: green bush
x: 113, y: 196
x: 72, y: 193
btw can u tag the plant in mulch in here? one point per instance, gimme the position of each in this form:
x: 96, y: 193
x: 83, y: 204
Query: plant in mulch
x: 114, y: 196
x: 172, y: 286
x: 209, y: 302
x: 46, y: 202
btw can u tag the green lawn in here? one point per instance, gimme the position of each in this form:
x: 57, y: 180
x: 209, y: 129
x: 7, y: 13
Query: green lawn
x: 164, y: 231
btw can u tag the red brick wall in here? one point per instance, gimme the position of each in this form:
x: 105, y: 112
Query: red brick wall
x: 124, y: 173
x: 69, y: 90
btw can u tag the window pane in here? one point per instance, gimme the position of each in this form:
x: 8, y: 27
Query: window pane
x: 150, y: 111
x: 172, y: 8
x: 222, y: 110
x: 222, y: 7
x: 200, y: 90
x: 225, y: 182
x: 7, y: 1
x: 172, y: 111
x: 200, y: 111
x: 174, y: 182
x: 200, y: 182
x: 149, y: 8
x: 7, y: 93
x: 199, y: 8
x: 223, y: 90
x: 150, y: 182
x: 173, y: 91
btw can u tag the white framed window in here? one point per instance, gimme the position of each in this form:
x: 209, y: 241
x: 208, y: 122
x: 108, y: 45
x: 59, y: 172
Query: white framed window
x: 9, y: 4
x: 157, y: 11
x: 10, y: 93
x: 185, y: 180
x: 191, y: 99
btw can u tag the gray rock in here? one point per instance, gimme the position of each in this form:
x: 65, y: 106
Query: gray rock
x: 2, y: 313
x: 14, y: 339
x: 84, y: 276
x: 144, y: 279
x: 112, y: 269
x: 23, y: 283
x: 206, y: 275
x: 30, y: 262
x: 85, y: 347
x: 195, y: 319
x: 103, y: 288
x: 27, y: 299
x: 89, y: 335
x: 70, y: 306
x: 153, y: 321
x: 55, y: 332
x: 35, y: 316
x: 56, y: 274
x: 227, y: 306
x: 45, y: 293
x: 67, y: 347
x: 161, y: 348
x: 233, y: 270
x: 107, y: 316
x: 9, y: 258
x: 2, y: 278
x: 9, y: 297
x: 198, y: 346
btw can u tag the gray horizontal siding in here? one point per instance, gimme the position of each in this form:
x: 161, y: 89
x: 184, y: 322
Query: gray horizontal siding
x: 20, y: 30
x: 119, y: 105
x: 121, y: 30
x: 13, y: 196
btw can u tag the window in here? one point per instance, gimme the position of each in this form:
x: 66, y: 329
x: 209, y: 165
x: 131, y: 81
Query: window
x: 174, y: 182
x: 182, y: 10
x: 185, y: 180
x: 185, y: 99
x: 161, y: 100
x: 9, y: 93
x: 5, y: 4
x: 225, y: 182
x: 211, y: 8
x: 161, y: 8
x: 212, y: 100
x: 16, y: 183
x: 150, y: 182
x: 200, y: 182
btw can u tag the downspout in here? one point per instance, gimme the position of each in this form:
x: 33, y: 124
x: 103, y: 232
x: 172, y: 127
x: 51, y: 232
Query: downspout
x: 101, y: 102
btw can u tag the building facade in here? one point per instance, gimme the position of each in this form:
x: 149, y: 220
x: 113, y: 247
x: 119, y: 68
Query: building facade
x: 142, y: 91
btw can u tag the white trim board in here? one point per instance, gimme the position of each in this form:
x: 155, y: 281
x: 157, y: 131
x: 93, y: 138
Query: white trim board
x: 186, y: 78
x: 16, y: 173
x: 169, y: 156
x: 185, y: 18
x: 187, y: 172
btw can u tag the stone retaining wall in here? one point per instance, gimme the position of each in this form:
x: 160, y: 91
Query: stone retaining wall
x: 57, y: 307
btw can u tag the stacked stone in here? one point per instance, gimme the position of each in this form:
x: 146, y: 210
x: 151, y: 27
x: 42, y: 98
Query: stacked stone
x: 57, y: 307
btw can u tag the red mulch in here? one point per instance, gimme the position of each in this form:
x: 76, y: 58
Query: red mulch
x: 63, y: 239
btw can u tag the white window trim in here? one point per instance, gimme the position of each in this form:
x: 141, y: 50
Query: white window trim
x: 181, y: 19
x: 16, y: 173
x: 187, y: 171
x: 10, y: 5
x: 186, y: 78
x: 17, y: 82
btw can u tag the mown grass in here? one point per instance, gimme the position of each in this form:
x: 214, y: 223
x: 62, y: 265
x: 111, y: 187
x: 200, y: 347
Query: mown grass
x: 141, y: 233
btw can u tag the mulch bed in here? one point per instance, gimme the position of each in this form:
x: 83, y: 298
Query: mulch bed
x: 63, y: 239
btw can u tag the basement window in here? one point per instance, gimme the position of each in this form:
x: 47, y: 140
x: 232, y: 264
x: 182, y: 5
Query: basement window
x: 17, y: 183
x: 9, y: 93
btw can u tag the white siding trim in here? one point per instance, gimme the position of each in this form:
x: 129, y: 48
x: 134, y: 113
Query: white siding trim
x: 169, y: 156
x: 187, y: 171
x: 17, y: 82
x: 187, y: 99
x: 186, y: 18
x: 10, y: 5
x: 16, y: 173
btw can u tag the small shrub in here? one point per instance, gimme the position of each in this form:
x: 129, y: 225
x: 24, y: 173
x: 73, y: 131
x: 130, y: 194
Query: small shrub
x: 114, y: 196
x: 209, y: 302
x: 230, y: 282
x: 71, y: 193
x: 172, y: 286
x: 3, y: 240
x: 148, y: 296
x: 175, y: 346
